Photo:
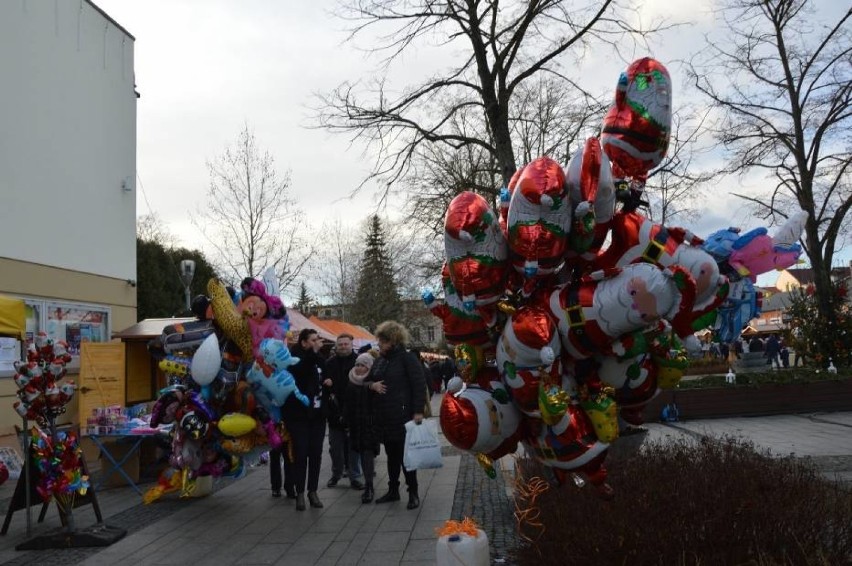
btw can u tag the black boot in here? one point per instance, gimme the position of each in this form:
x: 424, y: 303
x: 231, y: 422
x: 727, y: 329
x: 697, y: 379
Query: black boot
x: 368, y: 494
x: 391, y: 495
x: 300, y: 502
x: 413, y: 499
x: 314, y: 500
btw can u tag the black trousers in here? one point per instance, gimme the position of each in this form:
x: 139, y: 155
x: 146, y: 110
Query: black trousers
x: 275, y: 457
x: 394, y: 451
x: 308, y: 437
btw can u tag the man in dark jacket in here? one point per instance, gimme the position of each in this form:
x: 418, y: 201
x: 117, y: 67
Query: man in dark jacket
x: 334, y: 398
x: 306, y: 424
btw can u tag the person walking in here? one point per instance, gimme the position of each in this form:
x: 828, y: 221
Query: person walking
x: 773, y: 348
x: 397, y: 378
x: 276, y: 455
x: 306, y: 424
x: 360, y: 414
x: 343, y: 460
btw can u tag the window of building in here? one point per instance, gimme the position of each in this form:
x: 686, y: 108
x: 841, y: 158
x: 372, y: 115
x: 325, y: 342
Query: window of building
x: 415, y: 333
x: 430, y: 333
x: 74, y: 323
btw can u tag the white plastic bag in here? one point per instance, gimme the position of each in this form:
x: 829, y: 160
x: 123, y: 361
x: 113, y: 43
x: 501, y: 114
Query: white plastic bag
x: 422, y: 448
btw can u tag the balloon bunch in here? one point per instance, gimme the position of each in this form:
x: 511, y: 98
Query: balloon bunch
x: 42, y: 395
x: 562, y: 339
x: 58, y: 459
x: 228, y: 378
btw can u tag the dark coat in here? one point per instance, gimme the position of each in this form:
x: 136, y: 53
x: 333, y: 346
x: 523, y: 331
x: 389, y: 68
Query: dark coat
x: 308, y: 374
x: 334, y: 398
x: 402, y: 373
x: 360, y: 416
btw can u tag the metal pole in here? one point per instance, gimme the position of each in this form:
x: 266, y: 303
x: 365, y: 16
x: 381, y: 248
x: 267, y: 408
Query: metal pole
x: 186, y: 295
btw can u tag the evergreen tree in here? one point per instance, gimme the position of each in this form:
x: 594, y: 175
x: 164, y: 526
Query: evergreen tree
x: 159, y: 291
x: 305, y: 301
x: 377, y: 298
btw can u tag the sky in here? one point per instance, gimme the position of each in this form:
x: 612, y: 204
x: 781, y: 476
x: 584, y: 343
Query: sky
x: 206, y: 68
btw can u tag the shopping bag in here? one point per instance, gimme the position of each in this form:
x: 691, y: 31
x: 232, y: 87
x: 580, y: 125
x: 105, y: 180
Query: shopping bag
x: 422, y: 448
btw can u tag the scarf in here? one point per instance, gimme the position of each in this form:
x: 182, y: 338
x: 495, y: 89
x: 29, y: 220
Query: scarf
x: 355, y: 379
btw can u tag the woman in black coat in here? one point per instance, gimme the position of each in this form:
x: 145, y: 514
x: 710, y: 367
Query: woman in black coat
x: 359, y: 414
x: 397, y: 377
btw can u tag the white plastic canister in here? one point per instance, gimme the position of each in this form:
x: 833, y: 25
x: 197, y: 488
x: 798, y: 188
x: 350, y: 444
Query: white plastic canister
x: 463, y: 550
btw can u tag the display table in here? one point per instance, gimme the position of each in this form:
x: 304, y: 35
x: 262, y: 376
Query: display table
x: 133, y: 440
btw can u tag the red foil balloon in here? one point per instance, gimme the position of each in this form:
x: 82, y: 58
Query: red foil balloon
x: 539, y: 218
x: 636, y: 129
x: 474, y: 419
x: 528, y: 352
x: 593, y: 199
x: 476, y: 251
x: 570, y: 444
x: 459, y: 325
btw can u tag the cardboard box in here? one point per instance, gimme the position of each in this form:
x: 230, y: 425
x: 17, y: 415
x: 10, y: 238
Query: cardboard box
x: 119, y: 450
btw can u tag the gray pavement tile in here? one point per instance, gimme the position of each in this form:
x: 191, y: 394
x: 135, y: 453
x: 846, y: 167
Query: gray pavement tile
x: 425, y: 529
x: 397, y: 523
x: 311, y: 543
x: 419, y: 551
x: 376, y: 558
x: 330, y: 524
x: 333, y: 553
x: 264, y: 553
x: 361, y: 541
x: 388, y: 542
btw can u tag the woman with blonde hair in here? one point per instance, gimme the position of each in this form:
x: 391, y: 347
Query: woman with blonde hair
x: 397, y: 379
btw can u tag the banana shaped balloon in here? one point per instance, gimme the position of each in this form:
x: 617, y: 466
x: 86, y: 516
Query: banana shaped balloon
x: 228, y: 319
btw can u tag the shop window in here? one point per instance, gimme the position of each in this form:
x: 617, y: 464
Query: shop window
x: 74, y: 323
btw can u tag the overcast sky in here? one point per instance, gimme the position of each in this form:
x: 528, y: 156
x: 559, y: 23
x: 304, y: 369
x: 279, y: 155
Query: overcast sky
x: 204, y: 68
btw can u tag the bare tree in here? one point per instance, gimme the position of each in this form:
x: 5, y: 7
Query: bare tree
x: 547, y: 118
x: 504, y: 46
x: 249, y: 217
x: 151, y: 228
x: 335, y: 264
x: 783, y: 80
x: 675, y: 185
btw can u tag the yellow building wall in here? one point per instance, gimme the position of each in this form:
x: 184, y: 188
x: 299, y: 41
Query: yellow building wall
x: 31, y: 280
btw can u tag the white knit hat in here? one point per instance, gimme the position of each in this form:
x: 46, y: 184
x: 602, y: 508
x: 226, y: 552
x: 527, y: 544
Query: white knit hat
x: 365, y: 359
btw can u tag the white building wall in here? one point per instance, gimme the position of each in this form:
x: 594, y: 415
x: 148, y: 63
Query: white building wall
x: 67, y: 138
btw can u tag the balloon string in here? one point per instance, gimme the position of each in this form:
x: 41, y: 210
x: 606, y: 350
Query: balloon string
x: 527, y: 512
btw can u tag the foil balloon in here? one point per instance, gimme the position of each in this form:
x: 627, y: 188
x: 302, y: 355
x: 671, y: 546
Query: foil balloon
x: 570, y: 444
x: 459, y: 325
x: 743, y: 304
x: 527, y: 355
x: 205, y: 364
x: 236, y: 424
x: 636, y: 238
x: 470, y: 361
x: 636, y: 129
x: 607, y: 312
x: 593, y: 199
x: 756, y: 252
x: 228, y: 319
x: 539, y: 218
x: 476, y: 251
x: 633, y: 379
x: 480, y: 420
x: 270, y: 380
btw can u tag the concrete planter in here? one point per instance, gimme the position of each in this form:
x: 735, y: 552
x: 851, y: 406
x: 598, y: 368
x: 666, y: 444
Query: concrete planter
x: 747, y: 401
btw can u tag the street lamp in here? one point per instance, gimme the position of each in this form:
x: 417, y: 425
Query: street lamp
x: 187, y: 270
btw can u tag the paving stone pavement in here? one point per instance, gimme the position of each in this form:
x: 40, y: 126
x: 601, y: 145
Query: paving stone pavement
x: 242, y: 524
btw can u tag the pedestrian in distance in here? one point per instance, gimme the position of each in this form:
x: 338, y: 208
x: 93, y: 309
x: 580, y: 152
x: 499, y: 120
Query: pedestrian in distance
x: 344, y: 461
x: 361, y: 417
